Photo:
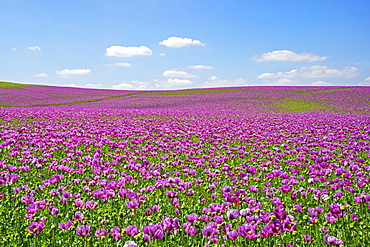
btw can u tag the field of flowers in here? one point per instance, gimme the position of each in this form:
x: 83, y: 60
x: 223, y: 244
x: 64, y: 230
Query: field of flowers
x: 273, y: 166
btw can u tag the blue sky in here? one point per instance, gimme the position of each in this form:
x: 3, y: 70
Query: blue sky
x: 172, y: 44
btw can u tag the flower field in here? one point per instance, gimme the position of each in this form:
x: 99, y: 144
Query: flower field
x: 284, y: 166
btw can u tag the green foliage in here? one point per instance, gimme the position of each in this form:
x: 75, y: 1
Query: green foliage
x: 12, y: 84
x: 325, y: 90
x: 295, y: 105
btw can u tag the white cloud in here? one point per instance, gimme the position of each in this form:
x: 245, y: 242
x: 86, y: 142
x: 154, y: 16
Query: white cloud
x: 72, y: 72
x: 162, y: 54
x: 41, y: 75
x: 13, y: 49
x: 120, y: 64
x: 138, y: 85
x: 286, y: 82
x: 70, y: 85
x: 130, y: 51
x: 34, y: 48
x: 321, y: 83
x: 94, y: 85
x: 366, y: 82
x: 214, y: 81
x: 177, y: 73
x: 199, y: 67
x: 171, y: 83
x: 315, y: 71
x: 177, y: 42
x: 285, y: 55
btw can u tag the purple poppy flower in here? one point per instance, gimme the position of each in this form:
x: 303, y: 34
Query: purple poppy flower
x: 213, y: 239
x: 115, y: 232
x: 218, y: 219
x: 79, y: 203
x: 233, y: 214
x: 76, y: 195
x: 297, y: 208
x: 101, y: 232
x: 130, y: 244
x: 227, y: 227
x: 319, y: 209
x: 333, y: 240
x: 205, y: 218
x: 32, y: 209
x: 325, y: 230
x: 289, y: 223
x: 207, y: 230
x: 254, y: 219
x: 285, y: 188
x: 192, y: 217
x: 133, y: 204
x: 245, y: 212
x: 331, y: 219
x: 226, y: 189
x: 63, y: 199
x: 253, y: 188
x: 154, y: 230
x: 146, y: 238
x: 265, y: 218
x: 175, y: 202
x: 36, y: 227
x: 336, y: 210
x: 78, y: 216
x: 307, y: 238
x: 53, y: 210
x: 83, y: 231
x: 132, y: 230
x: 212, y: 187
x: 276, y: 227
x: 280, y: 213
x: 171, y: 194
x: 354, y: 217
x: 67, y: 194
x: 170, y: 224
x: 232, y: 235
x: 247, y: 231
x: 66, y: 225
x: 91, y: 204
x: 190, y: 229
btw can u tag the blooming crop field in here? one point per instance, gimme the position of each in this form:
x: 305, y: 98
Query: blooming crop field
x: 259, y: 166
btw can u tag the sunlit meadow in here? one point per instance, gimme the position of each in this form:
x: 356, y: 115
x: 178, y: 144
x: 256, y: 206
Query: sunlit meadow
x: 248, y: 166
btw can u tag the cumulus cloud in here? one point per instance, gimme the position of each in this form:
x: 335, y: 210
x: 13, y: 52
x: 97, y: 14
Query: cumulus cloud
x: 120, y: 64
x: 199, y: 67
x: 366, y: 82
x: 315, y: 71
x: 34, y: 48
x: 72, y: 72
x: 14, y: 49
x: 177, y: 42
x: 171, y: 83
x: 288, y: 56
x: 162, y: 54
x: 130, y: 51
x: 129, y: 85
x: 214, y: 81
x: 41, y: 75
x: 321, y: 83
x: 94, y: 85
x: 177, y: 73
